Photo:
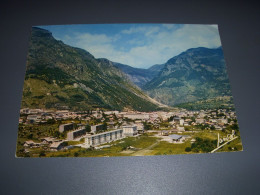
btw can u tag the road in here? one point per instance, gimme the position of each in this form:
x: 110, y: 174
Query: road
x: 223, y: 144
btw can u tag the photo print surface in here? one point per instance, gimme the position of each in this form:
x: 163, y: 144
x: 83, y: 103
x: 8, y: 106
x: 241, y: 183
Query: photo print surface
x: 101, y: 90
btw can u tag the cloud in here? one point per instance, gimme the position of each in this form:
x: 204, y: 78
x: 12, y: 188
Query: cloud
x: 143, y: 46
x: 144, y: 30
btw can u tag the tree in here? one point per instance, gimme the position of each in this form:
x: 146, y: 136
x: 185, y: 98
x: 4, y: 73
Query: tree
x: 62, y: 135
x: 235, y: 126
x: 82, y: 139
x: 30, y: 136
x: 203, y: 145
x: 51, y: 121
x: 187, y: 149
x: 187, y: 128
x: 42, y: 154
x: 170, y: 119
x: 104, y: 115
x: 56, y: 134
x: 114, y: 116
x: 147, y: 126
x: 212, y: 127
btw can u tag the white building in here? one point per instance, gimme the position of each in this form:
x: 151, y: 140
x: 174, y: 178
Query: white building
x: 47, y: 140
x: 175, y: 137
x: 181, y: 122
x: 101, y: 138
x: 130, y: 130
x: 139, y: 126
x: 134, y: 116
x: 180, y: 128
x: 111, y: 112
x: 222, y: 120
x: 55, y: 146
x: 202, y: 114
x: 34, y: 118
x: 31, y: 143
x: 35, y: 111
x: 24, y: 111
x: 200, y: 120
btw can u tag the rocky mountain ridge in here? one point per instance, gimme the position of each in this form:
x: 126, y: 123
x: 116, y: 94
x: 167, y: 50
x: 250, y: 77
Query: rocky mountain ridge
x: 196, y: 74
x: 61, y: 76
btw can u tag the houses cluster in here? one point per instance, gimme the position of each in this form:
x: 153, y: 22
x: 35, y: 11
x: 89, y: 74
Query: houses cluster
x: 47, y: 143
x: 217, y: 119
x: 93, y: 138
x: 120, y: 124
x: 97, y: 136
x: 29, y: 116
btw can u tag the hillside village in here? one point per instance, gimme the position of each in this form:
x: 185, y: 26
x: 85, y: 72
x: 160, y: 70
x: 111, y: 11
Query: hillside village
x: 44, y: 132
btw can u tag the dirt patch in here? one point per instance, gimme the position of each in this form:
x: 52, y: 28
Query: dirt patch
x: 142, y: 153
x: 127, y: 152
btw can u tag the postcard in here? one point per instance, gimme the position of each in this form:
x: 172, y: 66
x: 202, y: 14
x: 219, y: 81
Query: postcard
x: 102, y: 90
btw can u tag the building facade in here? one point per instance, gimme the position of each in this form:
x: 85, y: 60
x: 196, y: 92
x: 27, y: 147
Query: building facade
x: 101, y: 138
x: 130, y: 130
x: 66, y: 127
x: 96, y: 128
x: 75, y: 134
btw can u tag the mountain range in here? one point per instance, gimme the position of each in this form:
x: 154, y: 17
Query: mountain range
x: 140, y: 76
x: 194, y: 75
x: 60, y: 76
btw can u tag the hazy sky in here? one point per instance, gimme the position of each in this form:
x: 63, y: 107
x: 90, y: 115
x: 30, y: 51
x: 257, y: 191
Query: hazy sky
x: 137, y: 45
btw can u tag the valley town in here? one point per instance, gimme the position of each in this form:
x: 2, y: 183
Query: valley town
x: 94, y: 133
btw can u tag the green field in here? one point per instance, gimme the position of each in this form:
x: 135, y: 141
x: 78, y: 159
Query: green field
x: 166, y: 148
x: 116, y: 148
x: 145, y: 144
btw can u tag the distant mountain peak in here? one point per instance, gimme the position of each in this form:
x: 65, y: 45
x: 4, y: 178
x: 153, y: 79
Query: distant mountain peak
x: 40, y: 32
x: 139, y: 76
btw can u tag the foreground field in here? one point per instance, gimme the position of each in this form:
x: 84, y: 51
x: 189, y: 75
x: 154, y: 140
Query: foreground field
x: 124, y: 147
x: 147, y: 144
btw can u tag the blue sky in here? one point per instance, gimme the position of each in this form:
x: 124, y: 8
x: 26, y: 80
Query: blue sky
x: 137, y: 45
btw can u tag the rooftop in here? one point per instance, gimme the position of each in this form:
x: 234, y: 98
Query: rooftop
x: 175, y: 136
